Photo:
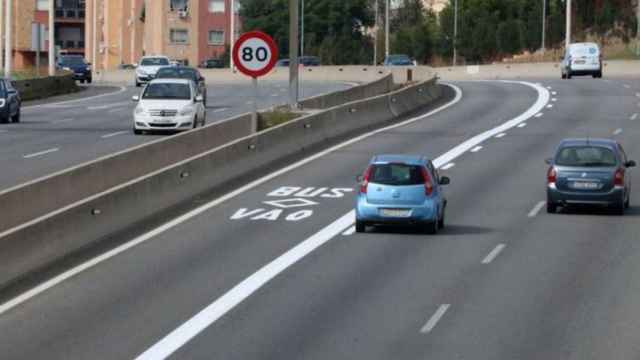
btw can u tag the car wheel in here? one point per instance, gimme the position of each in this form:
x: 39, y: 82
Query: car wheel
x: 441, y: 221
x: 360, y: 227
x: 137, y: 84
x: 89, y: 80
x: 627, y: 204
x: 4, y: 120
x: 431, y: 228
x: 599, y: 74
x: 16, y: 117
x: 204, y: 120
x: 552, y: 208
x: 563, y: 76
x: 619, y: 209
x: 569, y: 76
x: 137, y: 132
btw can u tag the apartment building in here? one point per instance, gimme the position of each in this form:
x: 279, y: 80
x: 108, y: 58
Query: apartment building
x: 186, y: 30
x: 435, y: 5
x: 30, y: 19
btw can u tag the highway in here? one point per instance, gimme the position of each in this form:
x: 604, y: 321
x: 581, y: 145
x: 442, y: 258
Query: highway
x: 258, y: 277
x: 56, y: 135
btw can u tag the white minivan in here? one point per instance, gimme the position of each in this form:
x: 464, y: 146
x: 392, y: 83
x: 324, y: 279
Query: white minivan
x: 582, y: 59
x: 168, y: 105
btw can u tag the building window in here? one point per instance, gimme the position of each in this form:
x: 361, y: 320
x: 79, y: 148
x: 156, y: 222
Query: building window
x: 216, y: 6
x: 216, y: 37
x: 42, y: 5
x: 179, y: 36
x: 178, y: 5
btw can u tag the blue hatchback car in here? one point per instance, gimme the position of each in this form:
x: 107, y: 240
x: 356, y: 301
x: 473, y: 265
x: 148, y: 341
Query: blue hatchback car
x: 401, y: 190
x: 589, y: 172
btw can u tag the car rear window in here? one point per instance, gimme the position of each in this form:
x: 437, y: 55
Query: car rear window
x: 154, y: 62
x: 176, y: 73
x: 586, y: 156
x: 584, y: 51
x: 167, y: 91
x: 396, y: 174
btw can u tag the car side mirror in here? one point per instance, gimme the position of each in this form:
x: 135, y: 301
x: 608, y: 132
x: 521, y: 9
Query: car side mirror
x: 445, y: 180
x: 548, y: 161
x: 630, y: 164
x: 199, y: 98
x: 135, y: 98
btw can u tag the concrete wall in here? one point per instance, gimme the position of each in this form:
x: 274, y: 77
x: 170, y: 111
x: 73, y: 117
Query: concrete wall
x: 378, y: 87
x: 45, y: 87
x: 49, y: 239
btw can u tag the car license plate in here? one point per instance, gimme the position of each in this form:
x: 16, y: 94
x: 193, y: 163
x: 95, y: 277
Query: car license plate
x: 580, y: 62
x: 398, y: 213
x: 583, y: 185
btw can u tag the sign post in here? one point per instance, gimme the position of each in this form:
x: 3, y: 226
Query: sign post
x: 255, y: 55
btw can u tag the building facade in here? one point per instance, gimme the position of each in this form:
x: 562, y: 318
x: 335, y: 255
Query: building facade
x: 189, y: 31
x: 30, y: 20
x: 435, y: 5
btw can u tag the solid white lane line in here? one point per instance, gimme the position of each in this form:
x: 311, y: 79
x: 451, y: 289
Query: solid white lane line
x: 121, y: 90
x: 350, y: 231
x: 448, y: 166
x: 536, y: 209
x: 539, y: 115
x: 30, y: 156
x: 433, y: 321
x: 501, y: 135
x: 617, y: 132
x: 476, y: 149
x: 522, y: 125
x: 193, y: 213
x: 493, y: 254
x: 634, y: 116
x: 187, y: 331
x: 113, y: 134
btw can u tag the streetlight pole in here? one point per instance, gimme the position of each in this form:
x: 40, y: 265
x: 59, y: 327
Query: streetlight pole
x: 386, y: 29
x: 375, y: 36
x: 293, y: 53
x: 301, y: 27
x: 544, y: 25
x: 52, y: 31
x: 638, y: 30
x: 455, y: 34
x: 7, y: 39
x: 568, y: 32
x: 232, y: 36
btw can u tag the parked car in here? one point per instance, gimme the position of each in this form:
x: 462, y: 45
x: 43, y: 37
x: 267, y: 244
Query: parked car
x: 589, y: 172
x: 78, y: 65
x: 10, y: 102
x: 309, y: 61
x: 283, y: 63
x: 148, y: 67
x: 401, y: 190
x: 184, y: 72
x: 398, y: 60
x: 168, y: 105
x: 212, y: 64
x: 581, y: 59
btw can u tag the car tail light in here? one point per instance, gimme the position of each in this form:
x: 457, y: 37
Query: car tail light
x: 618, y: 178
x: 428, y: 184
x: 365, y: 180
x: 551, y: 175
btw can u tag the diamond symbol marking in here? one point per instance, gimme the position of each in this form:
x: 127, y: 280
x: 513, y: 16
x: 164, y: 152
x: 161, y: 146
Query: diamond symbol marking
x: 290, y: 203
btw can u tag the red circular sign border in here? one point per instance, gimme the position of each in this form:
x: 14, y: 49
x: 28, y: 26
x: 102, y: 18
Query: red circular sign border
x: 272, y: 47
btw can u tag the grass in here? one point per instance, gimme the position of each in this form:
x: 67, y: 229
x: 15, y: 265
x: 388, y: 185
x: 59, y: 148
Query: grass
x: 276, y: 117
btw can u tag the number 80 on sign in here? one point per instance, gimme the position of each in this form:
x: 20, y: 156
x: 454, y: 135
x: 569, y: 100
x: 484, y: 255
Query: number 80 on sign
x: 255, y: 54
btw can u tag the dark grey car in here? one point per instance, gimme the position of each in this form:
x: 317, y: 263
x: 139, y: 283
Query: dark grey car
x: 10, y: 102
x: 589, y: 172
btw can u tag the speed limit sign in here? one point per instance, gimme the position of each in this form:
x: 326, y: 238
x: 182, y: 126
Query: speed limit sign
x: 255, y: 54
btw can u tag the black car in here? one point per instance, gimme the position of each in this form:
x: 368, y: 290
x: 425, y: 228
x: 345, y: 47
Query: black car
x: 309, y: 61
x: 10, y: 101
x: 183, y: 72
x: 212, y: 64
x: 76, y: 64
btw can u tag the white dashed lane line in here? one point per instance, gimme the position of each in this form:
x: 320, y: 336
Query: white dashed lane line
x: 501, y: 135
x: 62, y: 121
x: 549, y: 106
x: 634, y: 116
x: 617, y: 132
x: 627, y: 86
x: 433, y: 321
x: 493, y: 254
x: 41, y: 153
x: 554, y: 99
x: 554, y: 93
x: 448, y: 166
x: 476, y: 149
x: 536, y: 209
x: 350, y: 231
x: 219, y: 110
x: 113, y: 134
x: 539, y: 115
x: 522, y: 125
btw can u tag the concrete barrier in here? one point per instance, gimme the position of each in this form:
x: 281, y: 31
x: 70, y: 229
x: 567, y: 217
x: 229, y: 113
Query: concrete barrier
x: 383, y: 85
x: 44, y: 87
x: 38, y: 244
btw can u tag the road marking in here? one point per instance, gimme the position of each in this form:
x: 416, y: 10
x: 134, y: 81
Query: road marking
x: 549, y: 106
x: 634, y: 116
x: 476, y: 149
x: 627, y: 86
x: 536, y: 209
x: 3, y: 131
x: 493, y: 254
x: 121, y: 108
x: 539, y: 115
x: 501, y: 135
x: 433, y: 321
x: 554, y: 93
x: 121, y: 90
x: 113, y: 134
x: 108, y: 106
x: 30, y: 156
x: 219, y: 110
x: 522, y: 125
x: 187, y: 331
x: 448, y: 166
x: 350, y: 231
x: 549, y: 87
x: 554, y: 99
x: 62, y: 121
x: 638, y: 95
x: 617, y: 132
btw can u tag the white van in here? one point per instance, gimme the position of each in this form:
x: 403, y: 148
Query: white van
x: 582, y: 59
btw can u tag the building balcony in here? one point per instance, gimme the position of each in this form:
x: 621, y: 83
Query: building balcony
x: 70, y: 15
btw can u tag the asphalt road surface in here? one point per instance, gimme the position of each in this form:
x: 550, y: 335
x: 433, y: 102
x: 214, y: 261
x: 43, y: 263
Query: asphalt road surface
x: 256, y: 277
x: 54, y: 136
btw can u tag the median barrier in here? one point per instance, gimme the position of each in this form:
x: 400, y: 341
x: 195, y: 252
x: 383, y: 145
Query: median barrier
x: 383, y: 85
x: 39, y: 88
x: 49, y: 239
